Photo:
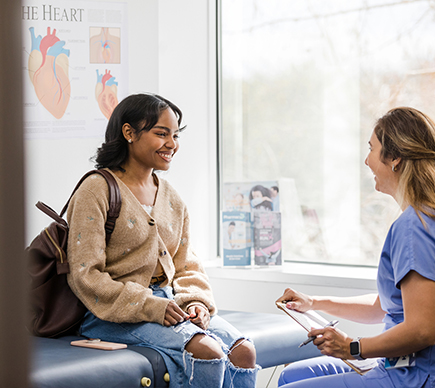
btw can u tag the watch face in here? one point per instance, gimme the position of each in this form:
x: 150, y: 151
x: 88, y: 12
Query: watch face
x: 354, y: 348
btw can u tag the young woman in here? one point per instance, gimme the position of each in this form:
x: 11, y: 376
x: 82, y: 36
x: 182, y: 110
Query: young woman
x: 147, y: 287
x: 402, y: 159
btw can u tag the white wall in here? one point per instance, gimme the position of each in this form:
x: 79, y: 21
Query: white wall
x: 171, y: 51
x: 187, y: 75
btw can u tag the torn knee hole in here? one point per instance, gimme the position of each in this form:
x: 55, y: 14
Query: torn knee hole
x: 237, y: 344
x: 203, y: 347
x: 242, y: 354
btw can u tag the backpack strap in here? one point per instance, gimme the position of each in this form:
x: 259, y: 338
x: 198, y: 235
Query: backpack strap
x: 114, y: 200
x: 51, y: 213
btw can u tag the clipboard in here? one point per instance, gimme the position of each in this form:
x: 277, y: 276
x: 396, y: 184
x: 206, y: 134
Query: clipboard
x: 311, y: 319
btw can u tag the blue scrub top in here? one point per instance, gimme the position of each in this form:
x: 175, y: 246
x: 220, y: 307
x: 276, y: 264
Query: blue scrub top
x: 409, y: 246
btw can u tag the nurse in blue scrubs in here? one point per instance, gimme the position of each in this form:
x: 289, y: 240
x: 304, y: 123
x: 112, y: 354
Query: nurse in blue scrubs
x: 402, y: 159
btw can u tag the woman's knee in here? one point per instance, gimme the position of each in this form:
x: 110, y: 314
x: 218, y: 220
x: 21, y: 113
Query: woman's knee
x: 204, y: 347
x: 243, y: 354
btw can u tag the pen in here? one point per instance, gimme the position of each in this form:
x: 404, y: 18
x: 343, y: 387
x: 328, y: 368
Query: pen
x: 308, y: 340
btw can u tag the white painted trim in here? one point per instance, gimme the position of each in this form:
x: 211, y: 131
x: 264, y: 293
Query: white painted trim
x: 358, y: 278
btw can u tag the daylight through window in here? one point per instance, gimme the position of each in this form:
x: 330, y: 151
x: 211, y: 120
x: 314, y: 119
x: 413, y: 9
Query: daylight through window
x: 303, y: 83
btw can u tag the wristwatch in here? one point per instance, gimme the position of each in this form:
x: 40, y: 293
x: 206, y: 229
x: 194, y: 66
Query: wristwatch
x: 355, y: 349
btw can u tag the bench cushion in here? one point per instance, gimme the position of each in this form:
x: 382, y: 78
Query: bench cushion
x: 57, y: 364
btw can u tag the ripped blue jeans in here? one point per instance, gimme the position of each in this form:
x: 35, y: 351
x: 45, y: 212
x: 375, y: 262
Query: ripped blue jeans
x: 184, y: 370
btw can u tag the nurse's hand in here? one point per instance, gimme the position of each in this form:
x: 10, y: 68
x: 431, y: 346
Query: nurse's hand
x: 200, y: 316
x: 174, y: 314
x: 332, y: 342
x: 296, y: 300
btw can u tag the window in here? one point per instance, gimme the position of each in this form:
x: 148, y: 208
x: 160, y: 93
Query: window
x: 302, y: 85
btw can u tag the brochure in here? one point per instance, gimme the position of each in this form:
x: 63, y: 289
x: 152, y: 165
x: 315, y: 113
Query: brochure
x: 267, y: 238
x: 237, y: 238
x: 251, y: 196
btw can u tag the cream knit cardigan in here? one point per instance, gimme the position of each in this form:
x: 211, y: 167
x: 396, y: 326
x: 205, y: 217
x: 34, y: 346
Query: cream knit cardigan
x: 112, y: 281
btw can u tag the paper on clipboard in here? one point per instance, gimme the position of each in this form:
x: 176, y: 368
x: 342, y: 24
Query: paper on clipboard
x: 311, y: 319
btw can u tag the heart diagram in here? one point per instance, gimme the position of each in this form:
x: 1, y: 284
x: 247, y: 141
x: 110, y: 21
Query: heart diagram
x: 106, y: 93
x: 48, y: 70
x: 105, y: 45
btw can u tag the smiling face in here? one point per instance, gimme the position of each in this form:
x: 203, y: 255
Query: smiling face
x: 386, y: 181
x: 154, y: 149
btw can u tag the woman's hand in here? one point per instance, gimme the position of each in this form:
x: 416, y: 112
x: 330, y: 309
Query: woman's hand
x: 199, y: 315
x: 332, y: 342
x: 296, y: 300
x: 174, y: 314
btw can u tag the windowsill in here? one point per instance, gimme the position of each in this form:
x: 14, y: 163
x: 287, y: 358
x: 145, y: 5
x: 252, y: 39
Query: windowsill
x: 299, y: 273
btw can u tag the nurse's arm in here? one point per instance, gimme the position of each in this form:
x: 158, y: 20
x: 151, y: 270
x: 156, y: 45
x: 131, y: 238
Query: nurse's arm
x: 362, y: 308
x: 417, y: 331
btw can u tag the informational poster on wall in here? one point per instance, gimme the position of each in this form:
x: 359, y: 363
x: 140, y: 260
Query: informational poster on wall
x: 75, y: 66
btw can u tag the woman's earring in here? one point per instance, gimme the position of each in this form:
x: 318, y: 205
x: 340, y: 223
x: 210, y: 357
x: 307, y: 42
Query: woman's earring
x: 394, y: 169
x: 129, y: 140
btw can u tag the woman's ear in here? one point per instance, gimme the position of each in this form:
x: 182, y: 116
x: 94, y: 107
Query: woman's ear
x: 128, y: 132
x: 396, y: 164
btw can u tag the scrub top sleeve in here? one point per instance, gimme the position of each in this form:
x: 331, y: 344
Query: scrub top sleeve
x: 413, y: 246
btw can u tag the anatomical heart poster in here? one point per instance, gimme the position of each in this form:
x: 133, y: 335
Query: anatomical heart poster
x: 75, y: 66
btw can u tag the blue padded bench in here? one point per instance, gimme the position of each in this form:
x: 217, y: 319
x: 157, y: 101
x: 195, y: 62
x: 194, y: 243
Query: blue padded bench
x: 57, y: 364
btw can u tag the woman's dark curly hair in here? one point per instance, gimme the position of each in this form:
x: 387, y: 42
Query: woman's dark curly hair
x: 142, y: 112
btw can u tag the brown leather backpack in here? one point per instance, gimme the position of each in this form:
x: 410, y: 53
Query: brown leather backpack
x: 54, y: 308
